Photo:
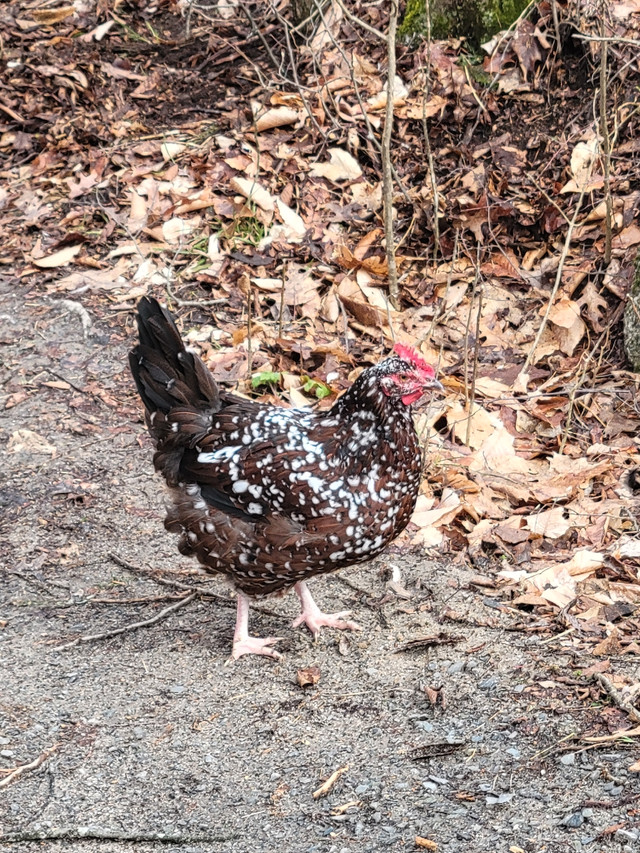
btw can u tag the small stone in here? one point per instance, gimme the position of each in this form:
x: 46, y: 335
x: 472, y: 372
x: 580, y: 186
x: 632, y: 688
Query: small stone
x: 514, y: 752
x: 439, y: 780
x: 177, y: 688
x: 587, y: 813
x: 430, y: 786
x: 573, y: 821
x: 626, y: 835
x: 6, y: 753
x: 488, y: 684
x: 362, y: 789
x: 457, y: 666
x: 499, y: 800
x: 568, y: 759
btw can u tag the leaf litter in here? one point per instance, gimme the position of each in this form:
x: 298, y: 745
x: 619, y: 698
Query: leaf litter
x: 255, y: 209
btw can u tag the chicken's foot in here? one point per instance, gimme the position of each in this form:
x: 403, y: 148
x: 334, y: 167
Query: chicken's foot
x: 315, y: 619
x: 243, y: 644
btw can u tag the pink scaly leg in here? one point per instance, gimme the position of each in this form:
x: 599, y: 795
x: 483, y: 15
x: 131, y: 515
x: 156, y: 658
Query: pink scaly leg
x: 315, y: 619
x: 243, y: 644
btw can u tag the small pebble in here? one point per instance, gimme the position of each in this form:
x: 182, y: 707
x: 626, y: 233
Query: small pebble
x: 568, y: 759
x: 177, y: 688
x: 499, y: 800
x: 573, y: 821
x: 488, y: 684
x: 626, y: 835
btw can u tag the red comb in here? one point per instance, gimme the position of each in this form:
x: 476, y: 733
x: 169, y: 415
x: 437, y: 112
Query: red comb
x: 411, y: 355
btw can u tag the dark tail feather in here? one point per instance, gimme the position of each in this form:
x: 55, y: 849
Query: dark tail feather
x: 167, y: 376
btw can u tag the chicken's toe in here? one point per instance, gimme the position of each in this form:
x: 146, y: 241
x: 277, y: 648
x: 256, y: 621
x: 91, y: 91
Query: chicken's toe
x: 315, y: 619
x: 255, y: 646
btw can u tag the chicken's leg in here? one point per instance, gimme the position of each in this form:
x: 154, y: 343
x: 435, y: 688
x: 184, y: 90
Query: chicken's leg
x: 243, y: 644
x: 314, y: 618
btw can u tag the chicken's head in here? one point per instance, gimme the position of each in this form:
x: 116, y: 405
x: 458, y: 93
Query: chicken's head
x: 407, y: 375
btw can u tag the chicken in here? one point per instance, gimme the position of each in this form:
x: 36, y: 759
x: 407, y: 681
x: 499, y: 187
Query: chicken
x: 269, y: 496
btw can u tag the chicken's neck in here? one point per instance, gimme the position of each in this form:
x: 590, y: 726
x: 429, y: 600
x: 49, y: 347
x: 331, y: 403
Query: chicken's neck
x: 364, y: 417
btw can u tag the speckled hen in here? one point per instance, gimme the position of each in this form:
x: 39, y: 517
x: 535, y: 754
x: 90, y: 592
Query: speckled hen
x: 269, y: 496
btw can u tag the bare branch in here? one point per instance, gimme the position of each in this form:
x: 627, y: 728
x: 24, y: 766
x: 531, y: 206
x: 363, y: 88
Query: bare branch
x: 387, y: 176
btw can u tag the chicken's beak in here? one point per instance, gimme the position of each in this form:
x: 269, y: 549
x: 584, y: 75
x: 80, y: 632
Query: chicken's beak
x: 432, y: 385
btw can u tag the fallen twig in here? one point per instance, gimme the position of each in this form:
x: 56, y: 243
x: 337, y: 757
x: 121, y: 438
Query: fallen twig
x: 25, y: 768
x: 436, y: 749
x: 327, y: 786
x: 200, y: 591
x: 87, y: 833
x: 625, y: 704
x: 441, y: 639
x: 387, y: 175
x: 132, y: 626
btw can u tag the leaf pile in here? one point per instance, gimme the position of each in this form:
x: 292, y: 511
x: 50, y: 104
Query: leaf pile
x: 236, y: 172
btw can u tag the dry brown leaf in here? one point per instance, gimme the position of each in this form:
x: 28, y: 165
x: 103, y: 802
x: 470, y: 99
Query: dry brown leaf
x: 550, y: 523
x: 483, y: 424
x: 52, y: 16
x: 435, y: 106
x: 279, y: 117
x: 583, y: 158
x: 176, y: 230
x: 253, y: 191
x: 400, y: 92
x: 629, y: 236
x: 342, y: 166
x: 27, y: 441
x: 425, y: 843
x: 58, y: 259
x: 309, y: 676
x: 170, y: 150
x: 444, y: 513
x: 569, y: 325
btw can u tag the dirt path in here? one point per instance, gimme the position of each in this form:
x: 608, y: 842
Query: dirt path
x: 156, y: 740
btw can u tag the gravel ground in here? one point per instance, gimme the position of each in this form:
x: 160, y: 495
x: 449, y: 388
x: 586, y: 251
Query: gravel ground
x: 159, y: 744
